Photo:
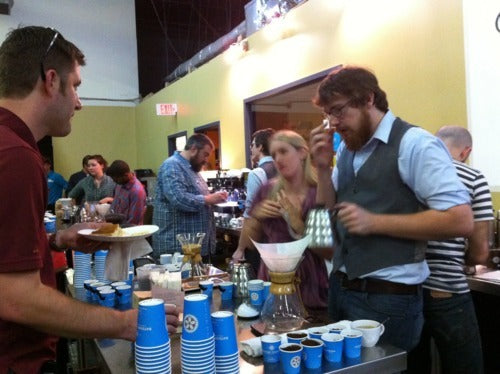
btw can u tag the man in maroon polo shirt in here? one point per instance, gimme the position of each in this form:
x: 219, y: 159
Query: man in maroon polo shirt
x: 39, y: 77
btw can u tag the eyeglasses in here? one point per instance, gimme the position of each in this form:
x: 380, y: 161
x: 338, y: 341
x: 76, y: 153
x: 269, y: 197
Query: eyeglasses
x: 337, y: 112
x: 42, y: 69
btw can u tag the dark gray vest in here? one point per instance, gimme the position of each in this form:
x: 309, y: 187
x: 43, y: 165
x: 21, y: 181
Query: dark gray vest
x: 378, y: 188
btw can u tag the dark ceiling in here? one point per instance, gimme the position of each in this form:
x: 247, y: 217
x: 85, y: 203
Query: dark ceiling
x: 170, y: 32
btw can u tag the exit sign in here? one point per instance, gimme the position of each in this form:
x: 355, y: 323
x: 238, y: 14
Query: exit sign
x: 166, y: 109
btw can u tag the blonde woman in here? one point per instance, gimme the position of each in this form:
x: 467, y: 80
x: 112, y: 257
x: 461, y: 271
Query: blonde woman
x: 280, y: 209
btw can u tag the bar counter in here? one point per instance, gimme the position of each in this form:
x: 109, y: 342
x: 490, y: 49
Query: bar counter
x: 117, y: 355
x: 485, y: 280
x: 485, y: 291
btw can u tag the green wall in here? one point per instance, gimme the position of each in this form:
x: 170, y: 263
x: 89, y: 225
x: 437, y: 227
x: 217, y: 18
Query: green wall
x: 109, y: 131
x: 415, y: 47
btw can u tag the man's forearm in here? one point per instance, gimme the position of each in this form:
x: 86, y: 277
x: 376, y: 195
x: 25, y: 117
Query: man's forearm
x: 48, y: 310
x: 425, y: 225
x: 478, y: 251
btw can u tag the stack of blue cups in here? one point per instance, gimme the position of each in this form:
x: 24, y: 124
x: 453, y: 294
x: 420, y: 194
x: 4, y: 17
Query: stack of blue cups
x: 152, y: 346
x: 81, y: 265
x: 130, y: 278
x: 100, y: 265
x: 197, y: 339
x: 226, y: 344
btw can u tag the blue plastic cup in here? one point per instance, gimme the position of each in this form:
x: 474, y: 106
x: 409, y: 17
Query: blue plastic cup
x: 116, y: 284
x: 151, y: 323
x: 207, y: 287
x: 271, y: 348
x: 316, y: 332
x: 107, y: 297
x: 290, y: 358
x: 197, y: 324
x: 226, y: 290
x: 255, y: 284
x: 352, y: 342
x: 296, y: 336
x: 95, y: 292
x: 50, y: 226
x: 256, y: 297
x: 339, y: 326
x: 86, y: 284
x: 265, y: 291
x: 334, y: 346
x: 224, y: 327
x: 123, y: 294
x: 312, y: 352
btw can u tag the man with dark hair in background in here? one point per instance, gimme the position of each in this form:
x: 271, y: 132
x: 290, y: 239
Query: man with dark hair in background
x: 130, y: 196
x: 394, y: 187
x: 264, y: 170
x: 39, y: 77
x: 183, y: 203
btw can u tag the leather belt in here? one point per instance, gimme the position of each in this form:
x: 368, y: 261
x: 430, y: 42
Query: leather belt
x: 371, y: 285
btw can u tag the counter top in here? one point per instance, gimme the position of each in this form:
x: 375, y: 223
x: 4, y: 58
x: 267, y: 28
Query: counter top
x: 383, y: 358
x: 485, y: 280
x: 380, y: 359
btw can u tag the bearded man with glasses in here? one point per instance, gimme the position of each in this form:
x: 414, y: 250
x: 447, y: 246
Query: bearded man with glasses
x: 395, y: 187
x: 39, y: 77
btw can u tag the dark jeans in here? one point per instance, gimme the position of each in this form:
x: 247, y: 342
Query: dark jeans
x: 453, y: 324
x: 401, y: 314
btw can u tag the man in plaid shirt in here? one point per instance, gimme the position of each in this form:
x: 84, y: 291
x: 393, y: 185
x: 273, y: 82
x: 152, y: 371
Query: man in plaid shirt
x: 183, y: 203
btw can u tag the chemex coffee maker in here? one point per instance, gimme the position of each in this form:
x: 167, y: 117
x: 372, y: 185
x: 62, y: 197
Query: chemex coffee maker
x: 192, y: 264
x: 283, y: 309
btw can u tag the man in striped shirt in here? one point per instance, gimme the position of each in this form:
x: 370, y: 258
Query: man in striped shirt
x: 448, y: 307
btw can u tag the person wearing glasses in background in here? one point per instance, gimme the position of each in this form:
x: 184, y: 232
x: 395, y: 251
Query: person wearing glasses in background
x: 264, y: 171
x: 395, y: 187
x: 39, y: 78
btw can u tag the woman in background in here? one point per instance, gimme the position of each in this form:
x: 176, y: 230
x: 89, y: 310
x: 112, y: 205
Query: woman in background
x: 280, y: 209
x: 96, y: 186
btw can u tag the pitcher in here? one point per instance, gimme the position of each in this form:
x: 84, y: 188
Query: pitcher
x: 191, y: 248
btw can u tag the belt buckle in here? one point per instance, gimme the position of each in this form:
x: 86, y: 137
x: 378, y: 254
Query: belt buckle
x: 440, y: 294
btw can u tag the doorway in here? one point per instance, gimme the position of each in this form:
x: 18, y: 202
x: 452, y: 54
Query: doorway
x: 212, y: 130
x: 176, y: 142
x: 286, y: 107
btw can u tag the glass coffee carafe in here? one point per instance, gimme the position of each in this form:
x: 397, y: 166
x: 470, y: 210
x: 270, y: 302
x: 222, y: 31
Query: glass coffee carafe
x: 192, y: 264
x: 283, y: 309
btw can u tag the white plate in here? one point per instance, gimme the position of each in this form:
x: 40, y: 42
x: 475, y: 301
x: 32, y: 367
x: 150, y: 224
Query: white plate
x: 129, y: 234
x: 230, y: 204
